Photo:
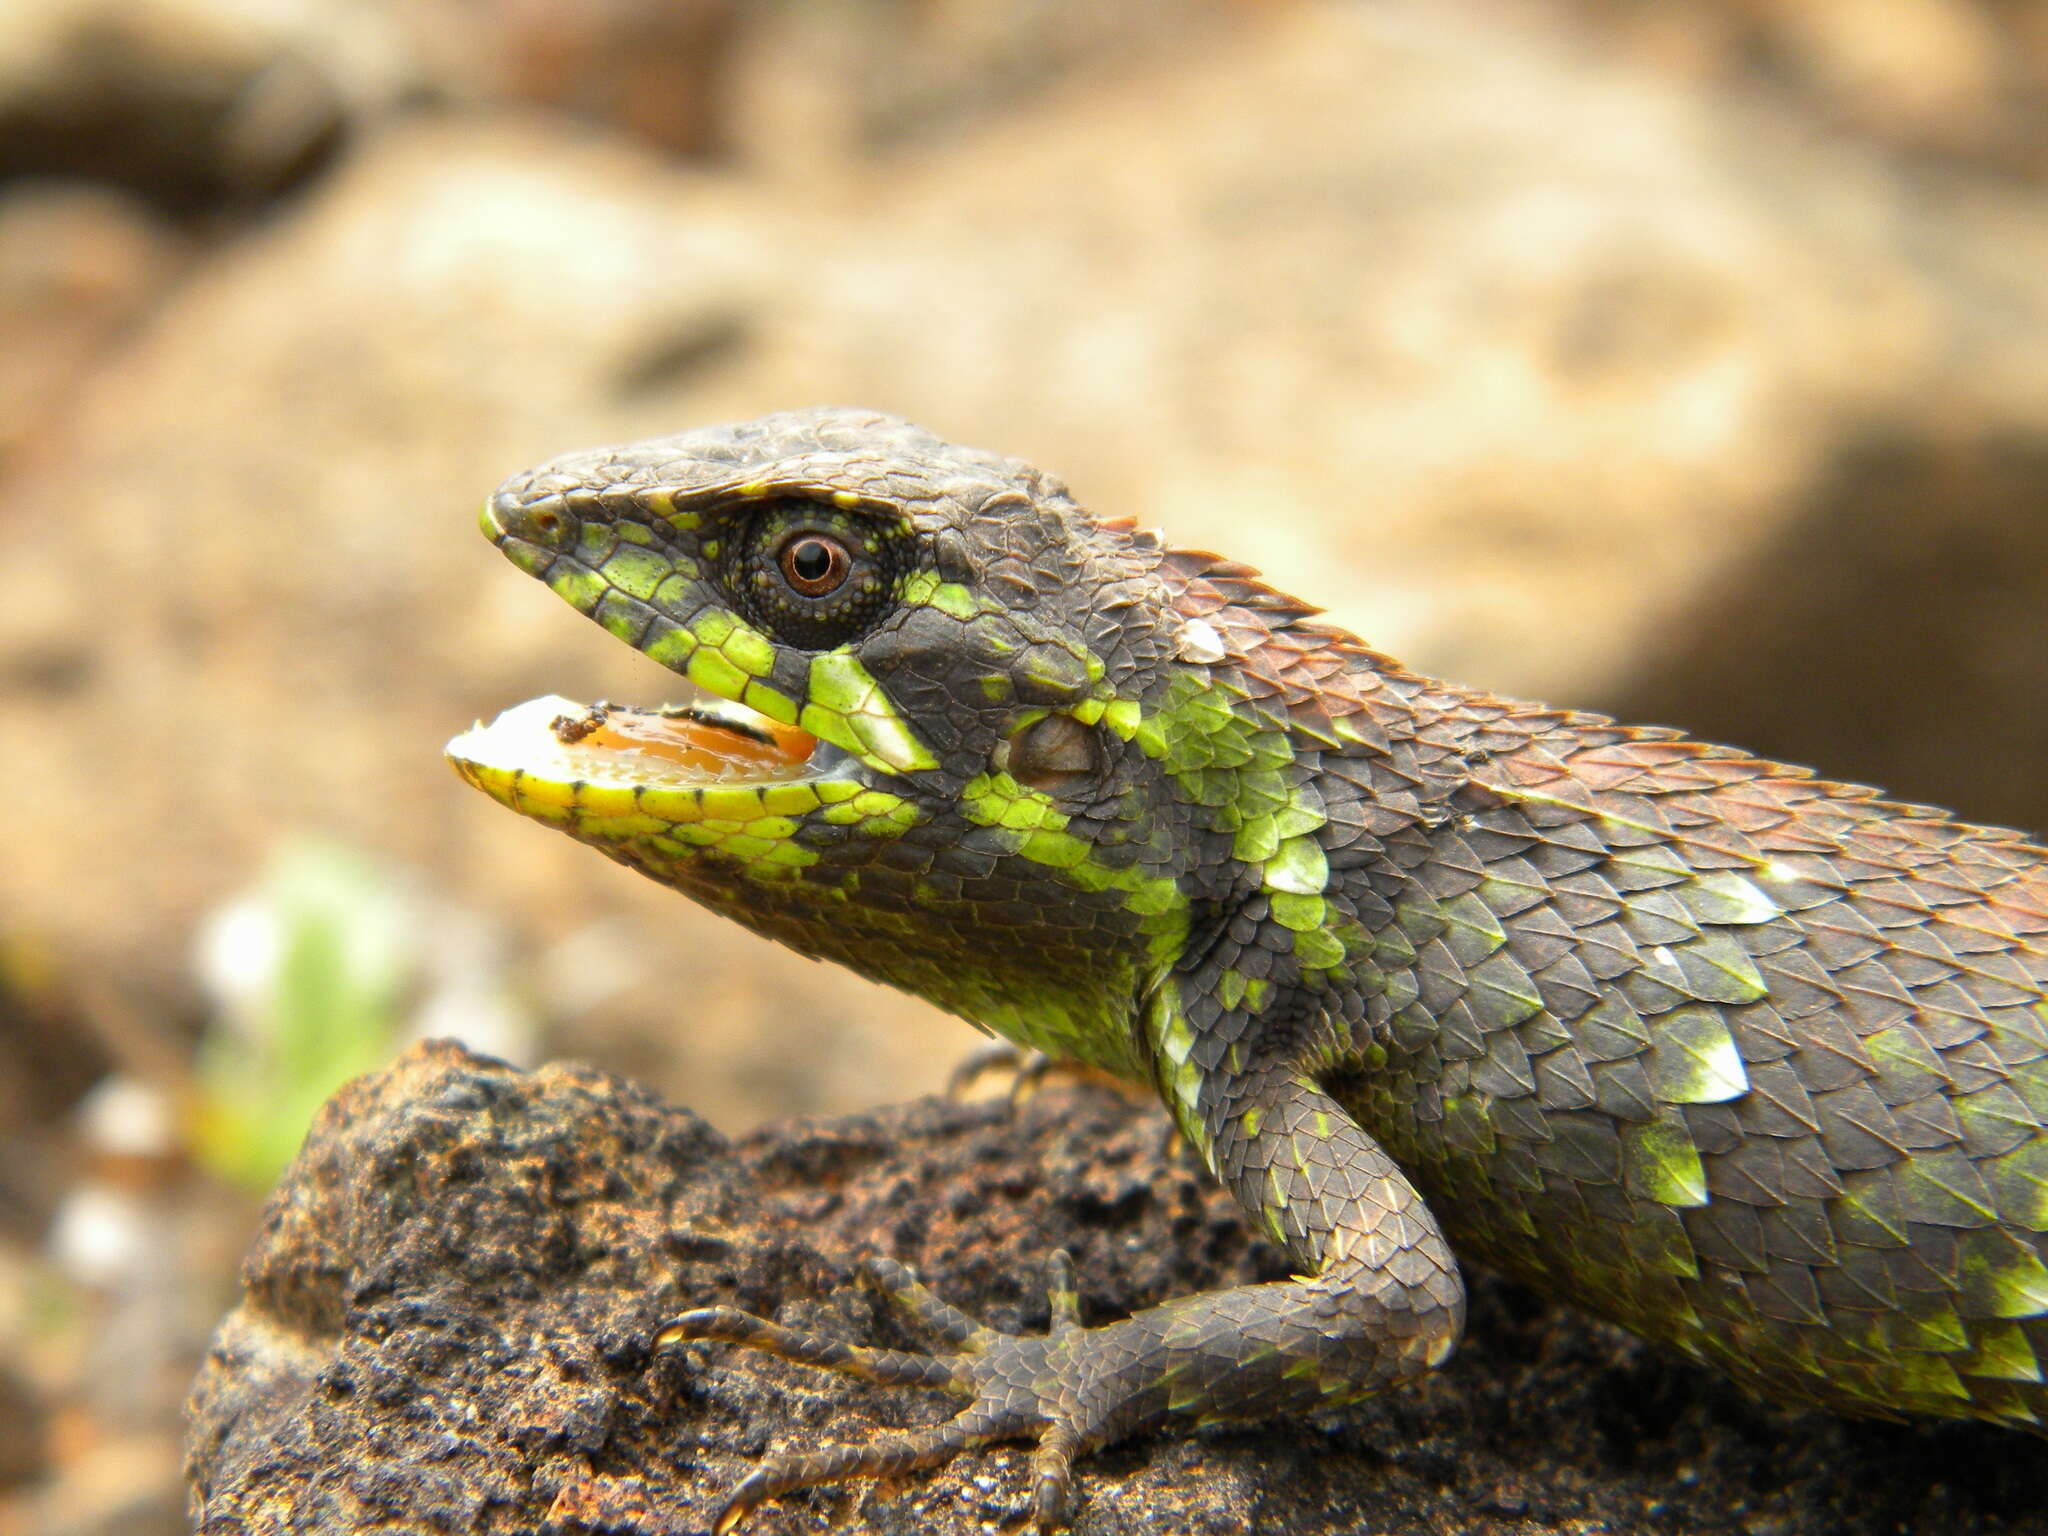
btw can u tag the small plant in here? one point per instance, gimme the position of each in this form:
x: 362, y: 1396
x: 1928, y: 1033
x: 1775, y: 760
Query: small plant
x: 311, y: 971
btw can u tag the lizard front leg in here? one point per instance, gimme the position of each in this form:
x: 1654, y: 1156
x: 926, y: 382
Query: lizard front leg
x: 1379, y: 1300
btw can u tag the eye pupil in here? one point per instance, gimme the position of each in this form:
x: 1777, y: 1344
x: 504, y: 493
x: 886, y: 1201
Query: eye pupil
x: 814, y: 564
x: 808, y: 575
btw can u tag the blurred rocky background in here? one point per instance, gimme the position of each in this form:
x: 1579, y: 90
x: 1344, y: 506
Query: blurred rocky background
x: 1688, y: 360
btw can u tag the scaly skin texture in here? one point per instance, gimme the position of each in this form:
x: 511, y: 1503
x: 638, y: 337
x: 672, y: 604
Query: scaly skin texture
x: 1751, y: 1063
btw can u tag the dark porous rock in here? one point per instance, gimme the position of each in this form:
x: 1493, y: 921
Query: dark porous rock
x: 447, y: 1317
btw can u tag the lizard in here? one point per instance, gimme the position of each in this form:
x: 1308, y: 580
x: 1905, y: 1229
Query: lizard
x: 1748, y: 1062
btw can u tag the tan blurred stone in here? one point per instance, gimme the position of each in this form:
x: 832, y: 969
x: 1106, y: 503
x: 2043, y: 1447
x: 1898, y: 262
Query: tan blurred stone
x: 78, y: 263
x: 1519, y: 361
x: 121, y: 1487
x: 1910, y: 68
x: 654, y: 67
x: 1964, y: 79
x: 192, y: 102
x: 1329, y: 300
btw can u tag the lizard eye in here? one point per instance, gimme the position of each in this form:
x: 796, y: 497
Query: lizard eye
x: 815, y: 563
x: 815, y: 576
x: 1055, y: 754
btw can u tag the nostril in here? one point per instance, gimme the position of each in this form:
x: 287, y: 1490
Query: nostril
x: 542, y: 520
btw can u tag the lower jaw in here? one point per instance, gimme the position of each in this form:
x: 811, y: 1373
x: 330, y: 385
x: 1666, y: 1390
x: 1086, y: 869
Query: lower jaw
x: 663, y: 788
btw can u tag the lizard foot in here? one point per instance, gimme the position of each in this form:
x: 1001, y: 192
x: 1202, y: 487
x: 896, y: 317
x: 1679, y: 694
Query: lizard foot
x: 1028, y: 1071
x: 1016, y: 1385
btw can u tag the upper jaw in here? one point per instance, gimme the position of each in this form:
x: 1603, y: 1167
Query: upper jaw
x: 654, y: 598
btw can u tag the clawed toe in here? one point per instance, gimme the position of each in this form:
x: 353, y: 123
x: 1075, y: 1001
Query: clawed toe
x: 984, y: 1366
x: 900, y: 1451
x: 1029, y: 1071
x: 986, y: 1061
x: 1052, y: 1474
x: 898, y: 1285
x: 890, y: 1367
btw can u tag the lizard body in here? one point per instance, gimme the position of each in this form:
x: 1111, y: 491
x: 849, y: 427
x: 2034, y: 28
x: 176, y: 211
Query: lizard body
x: 1751, y: 1063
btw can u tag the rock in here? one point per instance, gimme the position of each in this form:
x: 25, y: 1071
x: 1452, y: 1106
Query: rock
x: 656, y: 68
x: 190, y: 103
x: 446, y: 1318
x: 871, y: 79
x: 1515, y: 406
x: 1959, y: 79
x: 781, y: 84
x: 1889, y: 628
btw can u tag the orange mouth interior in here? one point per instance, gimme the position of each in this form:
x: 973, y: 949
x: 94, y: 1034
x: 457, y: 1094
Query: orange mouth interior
x: 704, y: 747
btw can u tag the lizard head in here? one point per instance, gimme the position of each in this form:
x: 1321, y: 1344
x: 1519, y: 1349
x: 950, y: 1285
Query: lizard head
x: 923, y: 733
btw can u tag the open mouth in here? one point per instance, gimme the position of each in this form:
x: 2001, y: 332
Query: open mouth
x: 660, y: 787
x: 715, y: 742
x: 701, y: 742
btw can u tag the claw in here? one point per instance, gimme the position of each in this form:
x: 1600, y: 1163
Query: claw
x: 984, y: 1061
x: 898, y: 1285
x: 1062, y: 1292
x: 889, y: 1367
x: 1052, y: 1476
x: 902, y: 1451
x: 1028, y: 1071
